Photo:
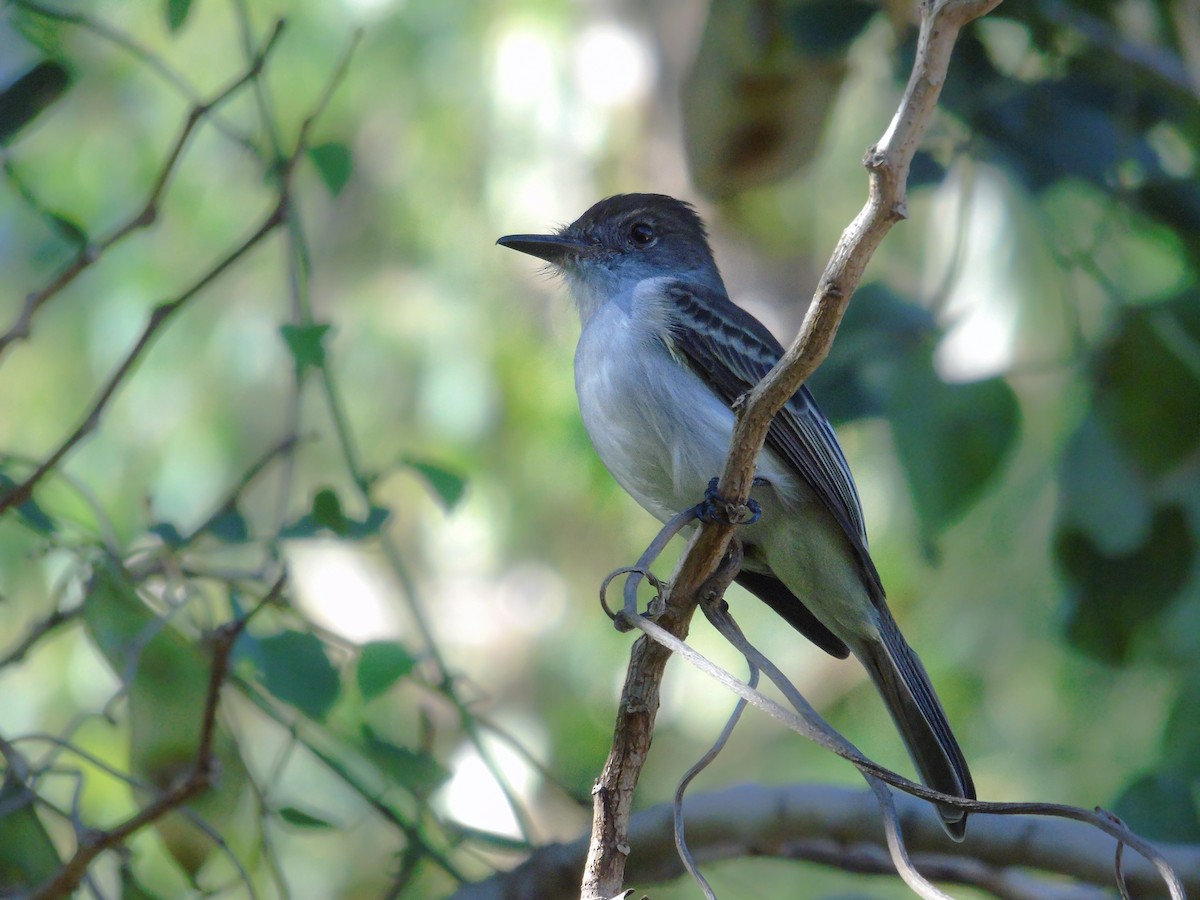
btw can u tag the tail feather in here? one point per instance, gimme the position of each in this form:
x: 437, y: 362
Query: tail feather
x: 901, y: 679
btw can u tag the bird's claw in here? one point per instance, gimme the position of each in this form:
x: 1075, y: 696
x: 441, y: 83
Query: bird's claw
x: 715, y: 508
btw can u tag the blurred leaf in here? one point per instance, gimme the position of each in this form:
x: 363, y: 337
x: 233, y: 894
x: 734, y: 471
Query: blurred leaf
x: 69, y: 230
x: 230, y: 526
x: 951, y: 438
x: 757, y: 98
x: 1112, y: 596
x: 167, y: 676
x: 25, y: 98
x: 414, y: 770
x: 177, y: 13
x: 301, y: 819
x: 1100, y: 492
x: 327, y: 515
x: 168, y: 533
x: 334, y: 163
x: 1181, y: 738
x: 380, y: 665
x: 29, y: 512
x: 825, y: 27
x: 878, y: 333
x: 296, y: 670
x: 1100, y: 117
x: 327, y: 511
x: 360, y: 529
x: 1148, y: 383
x: 306, y: 343
x: 27, y: 854
x: 1161, y: 807
x: 132, y: 888
x: 447, y: 486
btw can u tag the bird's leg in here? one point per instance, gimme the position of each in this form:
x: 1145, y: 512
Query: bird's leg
x: 715, y: 508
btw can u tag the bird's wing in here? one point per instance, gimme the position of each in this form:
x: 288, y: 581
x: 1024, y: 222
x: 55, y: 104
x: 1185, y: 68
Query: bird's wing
x: 732, y: 351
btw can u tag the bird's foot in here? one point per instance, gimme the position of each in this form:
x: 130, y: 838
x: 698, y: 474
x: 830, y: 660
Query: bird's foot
x: 715, y: 508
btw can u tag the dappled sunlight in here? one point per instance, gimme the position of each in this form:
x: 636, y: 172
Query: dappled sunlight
x: 344, y: 589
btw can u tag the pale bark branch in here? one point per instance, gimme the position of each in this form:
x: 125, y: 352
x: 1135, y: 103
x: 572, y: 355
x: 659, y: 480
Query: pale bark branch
x: 888, y: 164
x: 840, y: 827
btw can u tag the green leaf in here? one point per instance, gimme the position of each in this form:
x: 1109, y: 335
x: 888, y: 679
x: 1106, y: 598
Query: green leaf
x: 230, y: 526
x: 168, y: 533
x: 327, y: 515
x: 359, y: 529
x: 306, y: 343
x: 447, y: 486
x: 1100, y: 491
x: 1161, y: 807
x: 25, y: 98
x: 27, y: 854
x: 1112, y: 596
x: 301, y: 819
x: 1181, y: 738
x: 177, y: 13
x: 414, y: 770
x: 295, y: 669
x: 334, y: 164
x: 69, y: 230
x: 1148, y: 383
x: 29, y: 512
x: 951, y: 438
x: 131, y: 888
x: 167, y: 673
x: 879, y: 333
x: 380, y: 665
x: 327, y: 511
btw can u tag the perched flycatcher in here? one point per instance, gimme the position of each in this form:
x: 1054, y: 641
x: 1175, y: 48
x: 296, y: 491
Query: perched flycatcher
x: 662, y: 356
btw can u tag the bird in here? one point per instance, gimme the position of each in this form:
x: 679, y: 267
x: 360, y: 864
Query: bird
x: 663, y: 356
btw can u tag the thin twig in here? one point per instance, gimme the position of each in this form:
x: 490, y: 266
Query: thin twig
x: 146, y: 215
x: 92, y: 843
x: 48, y: 625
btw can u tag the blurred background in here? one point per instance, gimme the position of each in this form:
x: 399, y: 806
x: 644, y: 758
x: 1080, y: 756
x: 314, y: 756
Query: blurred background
x: 379, y: 398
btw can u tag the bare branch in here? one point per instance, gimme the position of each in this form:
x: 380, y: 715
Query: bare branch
x: 888, y: 164
x: 91, y: 843
x: 146, y: 215
x: 840, y: 827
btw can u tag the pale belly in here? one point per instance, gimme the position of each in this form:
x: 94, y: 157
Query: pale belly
x: 658, y: 429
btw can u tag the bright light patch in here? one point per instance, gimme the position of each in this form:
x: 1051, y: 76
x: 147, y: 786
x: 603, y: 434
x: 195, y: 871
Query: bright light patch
x: 473, y: 798
x: 983, y: 303
x: 524, y: 71
x: 373, y: 8
x: 341, y: 591
x: 613, y: 64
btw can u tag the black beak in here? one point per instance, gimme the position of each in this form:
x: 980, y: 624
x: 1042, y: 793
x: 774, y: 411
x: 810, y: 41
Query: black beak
x: 553, y: 248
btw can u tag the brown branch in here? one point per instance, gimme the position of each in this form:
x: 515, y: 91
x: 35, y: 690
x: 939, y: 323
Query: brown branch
x: 158, y: 317
x: 93, y: 842
x: 51, y: 623
x: 164, y: 311
x: 839, y: 827
x: 888, y: 164
x: 146, y: 215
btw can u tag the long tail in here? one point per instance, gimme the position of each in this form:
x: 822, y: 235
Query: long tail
x: 919, y: 717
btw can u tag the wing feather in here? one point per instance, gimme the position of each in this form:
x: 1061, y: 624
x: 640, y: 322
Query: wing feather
x: 732, y: 351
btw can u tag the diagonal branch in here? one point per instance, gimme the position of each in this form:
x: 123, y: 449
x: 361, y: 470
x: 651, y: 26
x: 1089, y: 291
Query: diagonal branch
x: 146, y: 215
x: 888, y: 164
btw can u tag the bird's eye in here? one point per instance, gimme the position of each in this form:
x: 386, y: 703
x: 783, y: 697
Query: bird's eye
x: 642, y: 235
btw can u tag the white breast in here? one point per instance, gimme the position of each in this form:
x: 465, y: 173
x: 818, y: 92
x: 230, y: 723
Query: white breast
x: 656, y: 426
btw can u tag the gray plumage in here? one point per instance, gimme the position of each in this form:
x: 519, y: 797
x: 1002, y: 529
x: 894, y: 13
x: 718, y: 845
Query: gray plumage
x: 662, y: 355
